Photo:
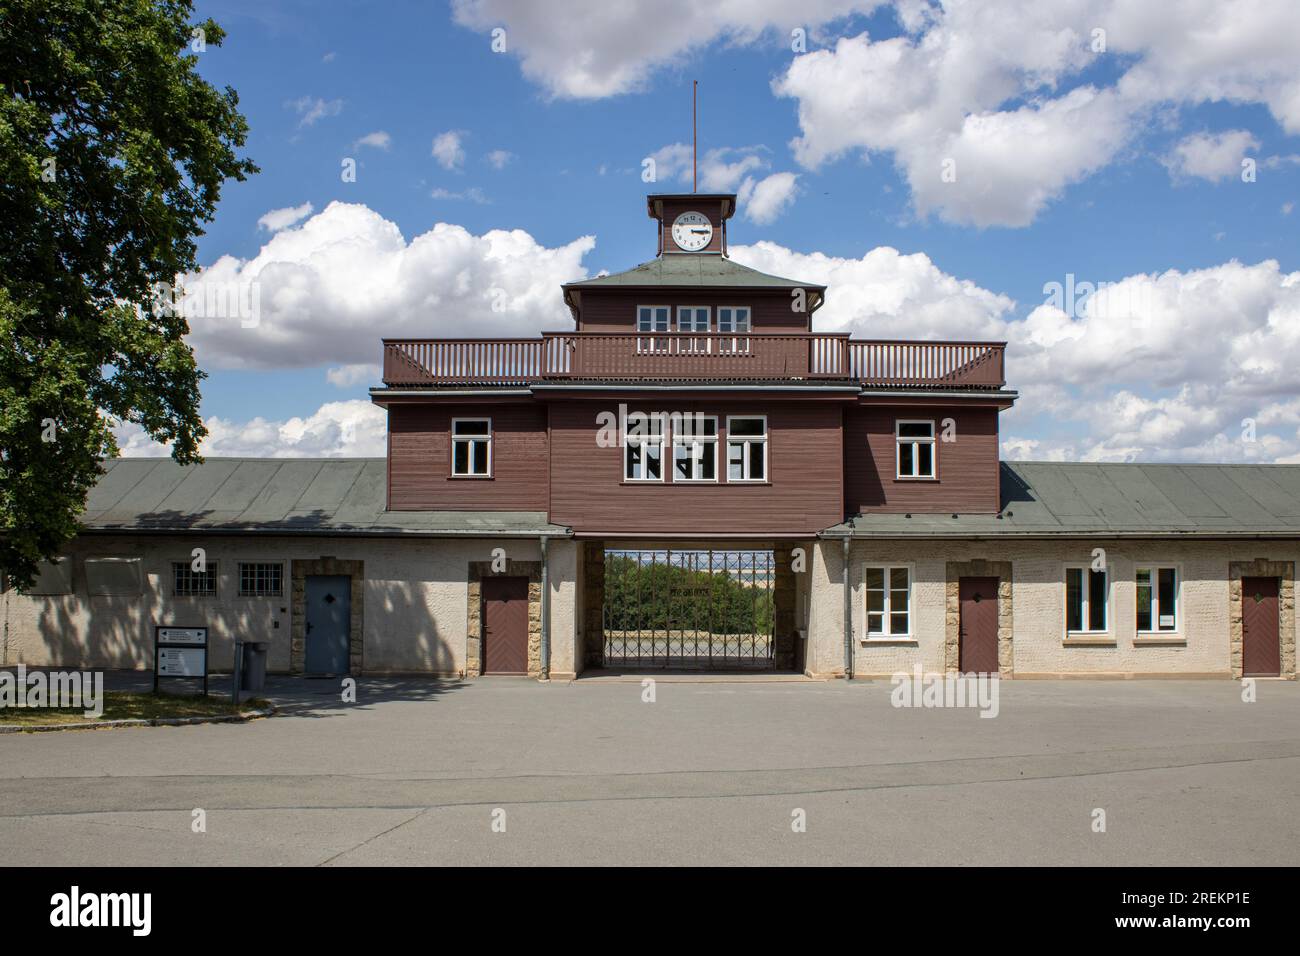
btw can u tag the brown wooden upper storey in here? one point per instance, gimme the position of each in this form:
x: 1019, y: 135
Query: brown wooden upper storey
x: 691, y: 314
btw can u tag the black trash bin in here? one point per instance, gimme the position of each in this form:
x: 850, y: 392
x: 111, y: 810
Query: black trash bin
x: 253, y: 672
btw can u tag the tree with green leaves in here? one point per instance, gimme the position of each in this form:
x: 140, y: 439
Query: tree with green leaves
x: 113, y: 152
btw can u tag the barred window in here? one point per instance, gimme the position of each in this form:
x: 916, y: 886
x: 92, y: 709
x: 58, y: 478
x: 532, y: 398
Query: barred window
x: 260, y: 579
x: 186, y: 582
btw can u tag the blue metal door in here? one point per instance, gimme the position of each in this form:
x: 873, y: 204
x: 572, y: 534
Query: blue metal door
x: 329, y: 617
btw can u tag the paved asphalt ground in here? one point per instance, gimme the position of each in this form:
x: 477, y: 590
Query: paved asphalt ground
x: 710, y: 773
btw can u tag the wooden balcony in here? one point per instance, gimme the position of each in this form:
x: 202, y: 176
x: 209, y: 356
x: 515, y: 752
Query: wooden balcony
x: 676, y: 356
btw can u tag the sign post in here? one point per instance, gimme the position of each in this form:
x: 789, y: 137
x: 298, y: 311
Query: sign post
x: 180, y: 652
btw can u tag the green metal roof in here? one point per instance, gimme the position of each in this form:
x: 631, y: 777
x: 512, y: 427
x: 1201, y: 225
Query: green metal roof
x: 277, y: 495
x: 674, y: 269
x: 1058, y: 499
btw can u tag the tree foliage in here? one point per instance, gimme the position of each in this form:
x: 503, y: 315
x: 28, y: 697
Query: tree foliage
x: 113, y: 151
x: 657, y: 596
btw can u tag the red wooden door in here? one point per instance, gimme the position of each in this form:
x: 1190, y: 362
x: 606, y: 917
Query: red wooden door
x: 1261, y: 653
x: 505, y: 625
x: 978, y: 625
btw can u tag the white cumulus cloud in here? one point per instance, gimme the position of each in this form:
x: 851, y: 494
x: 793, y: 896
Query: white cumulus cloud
x: 449, y: 150
x: 737, y: 169
x: 351, y: 429
x: 310, y: 109
x: 328, y: 290
x: 378, y: 140
x: 984, y: 109
x: 1212, y: 156
x: 599, y: 48
x: 278, y: 219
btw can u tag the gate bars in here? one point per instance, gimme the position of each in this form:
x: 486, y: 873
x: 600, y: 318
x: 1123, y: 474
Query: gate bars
x: 691, y: 609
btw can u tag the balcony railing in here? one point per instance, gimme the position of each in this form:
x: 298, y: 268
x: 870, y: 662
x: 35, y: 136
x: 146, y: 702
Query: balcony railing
x: 679, y: 356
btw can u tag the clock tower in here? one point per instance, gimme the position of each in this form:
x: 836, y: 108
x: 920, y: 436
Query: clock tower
x: 691, y: 223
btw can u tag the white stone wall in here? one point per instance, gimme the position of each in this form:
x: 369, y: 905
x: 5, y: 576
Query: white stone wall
x: 562, y: 563
x: 1040, y: 647
x: 416, y: 595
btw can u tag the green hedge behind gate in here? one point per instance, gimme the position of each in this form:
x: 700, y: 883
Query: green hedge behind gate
x: 662, y: 596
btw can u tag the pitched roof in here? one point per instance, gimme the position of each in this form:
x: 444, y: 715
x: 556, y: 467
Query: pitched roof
x: 277, y: 495
x: 1046, y: 499
x: 691, y: 270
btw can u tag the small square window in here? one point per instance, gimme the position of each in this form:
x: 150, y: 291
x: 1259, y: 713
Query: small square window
x: 187, y: 582
x: 261, y: 579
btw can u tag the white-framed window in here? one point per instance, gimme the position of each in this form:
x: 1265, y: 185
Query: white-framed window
x: 889, y: 601
x: 261, y: 579
x: 734, y: 320
x: 652, y: 323
x: 693, y: 319
x: 695, y: 448
x: 915, y: 447
x: 471, y: 447
x: 186, y: 582
x: 1157, y: 599
x: 1087, y: 600
x: 643, y: 454
x: 747, y: 448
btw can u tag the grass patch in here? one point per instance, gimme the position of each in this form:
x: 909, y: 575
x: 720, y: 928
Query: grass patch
x: 130, y: 705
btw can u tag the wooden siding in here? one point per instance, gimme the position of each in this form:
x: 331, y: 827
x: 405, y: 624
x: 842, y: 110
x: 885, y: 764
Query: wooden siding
x: 968, y: 471
x: 419, y: 459
x: 614, y: 310
x: 804, y: 494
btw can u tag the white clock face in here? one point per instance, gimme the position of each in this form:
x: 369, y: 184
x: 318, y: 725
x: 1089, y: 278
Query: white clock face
x: 692, y: 231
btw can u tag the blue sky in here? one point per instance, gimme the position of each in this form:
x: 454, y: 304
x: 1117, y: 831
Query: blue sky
x: 1131, y: 157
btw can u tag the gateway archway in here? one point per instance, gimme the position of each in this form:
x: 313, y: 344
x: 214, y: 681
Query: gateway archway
x: 689, y: 608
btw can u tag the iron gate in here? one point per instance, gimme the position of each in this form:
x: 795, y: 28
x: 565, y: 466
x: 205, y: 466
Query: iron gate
x: 695, y: 609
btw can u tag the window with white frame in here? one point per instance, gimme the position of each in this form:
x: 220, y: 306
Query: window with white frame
x: 643, y: 453
x: 693, y: 319
x: 733, y: 320
x: 471, y: 447
x: 915, y: 444
x: 186, y: 582
x: 261, y: 578
x: 695, y: 448
x: 889, y: 602
x: 652, y: 321
x: 1157, y: 600
x: 747, y: 448
x: 1087, y: 599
